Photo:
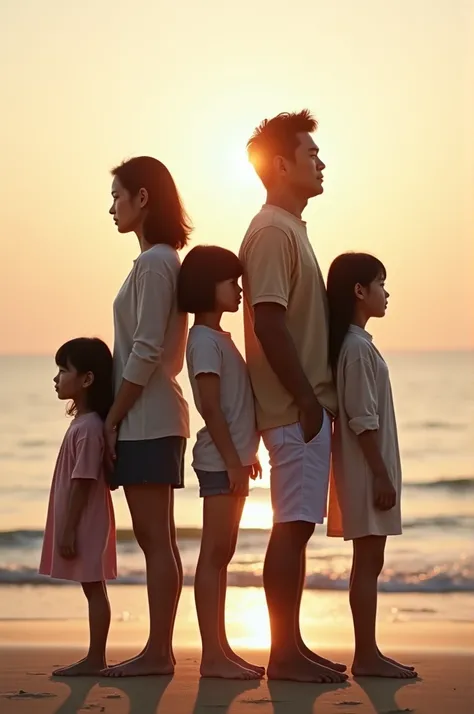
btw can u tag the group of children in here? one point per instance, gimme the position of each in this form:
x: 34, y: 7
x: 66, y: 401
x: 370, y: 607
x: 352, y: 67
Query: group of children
x: 79, y: 541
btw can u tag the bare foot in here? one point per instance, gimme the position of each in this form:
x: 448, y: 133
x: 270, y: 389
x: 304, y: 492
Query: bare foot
x: 230, y: 654
x: 140, y: 654
x: 313, y: 657
x: 397, y: 664
x: 301, y: 669
x: 142, y: 666
x: 379, y: 667
x: 226, y: 669
x: 84, y: 668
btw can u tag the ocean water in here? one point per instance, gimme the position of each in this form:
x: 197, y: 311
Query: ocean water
x: 434, y: 395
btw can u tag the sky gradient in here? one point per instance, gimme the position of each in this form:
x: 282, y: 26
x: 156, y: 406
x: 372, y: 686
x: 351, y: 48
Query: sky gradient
x: 88, y: 85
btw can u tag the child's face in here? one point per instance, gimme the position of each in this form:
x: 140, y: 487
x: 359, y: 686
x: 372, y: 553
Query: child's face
x: 375, y: 298
x: 228, y: 295
x: 69, y: 384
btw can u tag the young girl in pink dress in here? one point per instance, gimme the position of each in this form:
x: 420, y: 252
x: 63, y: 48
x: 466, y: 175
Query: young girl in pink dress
x: 79, y: 539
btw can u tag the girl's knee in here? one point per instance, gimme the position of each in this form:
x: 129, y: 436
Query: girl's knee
x: 218, y: 555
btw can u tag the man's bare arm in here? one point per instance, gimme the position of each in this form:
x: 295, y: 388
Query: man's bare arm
x: 278, y: 346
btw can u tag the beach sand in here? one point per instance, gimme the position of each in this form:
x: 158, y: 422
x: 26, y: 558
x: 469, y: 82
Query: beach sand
x: 445, y: 686
x: 442, y: 656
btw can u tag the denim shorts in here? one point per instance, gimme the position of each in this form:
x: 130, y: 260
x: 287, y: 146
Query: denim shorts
x: 213, y: 483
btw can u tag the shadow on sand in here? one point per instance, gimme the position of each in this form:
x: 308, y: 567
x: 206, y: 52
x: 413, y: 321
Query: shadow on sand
x: 143, y: 697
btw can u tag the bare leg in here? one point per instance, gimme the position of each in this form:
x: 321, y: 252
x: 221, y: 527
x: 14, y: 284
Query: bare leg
x: 389, y: 659
x: 179, y: 564
x: 217, y: 535
x: 150, y: 510
x: 337, y: 666
x: 233, y: 656
x: 368, y: 564
x: 282, y: 583
x: 99, y: 623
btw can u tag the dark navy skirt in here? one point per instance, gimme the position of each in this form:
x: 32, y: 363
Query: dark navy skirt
x: 157, y: 461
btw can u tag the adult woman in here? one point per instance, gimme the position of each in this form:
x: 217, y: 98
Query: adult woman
x: 147, y: 426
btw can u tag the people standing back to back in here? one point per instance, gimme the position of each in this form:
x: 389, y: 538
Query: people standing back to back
x: 286, y: 337
x: 149, y: 414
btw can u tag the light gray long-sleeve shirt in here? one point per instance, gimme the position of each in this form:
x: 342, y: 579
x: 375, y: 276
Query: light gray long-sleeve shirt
x: 149, y: 346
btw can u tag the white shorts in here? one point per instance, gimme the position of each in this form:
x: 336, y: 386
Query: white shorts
x: 299, y: 473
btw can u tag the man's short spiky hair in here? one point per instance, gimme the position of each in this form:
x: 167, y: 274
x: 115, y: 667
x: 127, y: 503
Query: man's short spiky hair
x: 278, y: 137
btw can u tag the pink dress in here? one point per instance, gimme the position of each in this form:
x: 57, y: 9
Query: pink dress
x: 81, y: 456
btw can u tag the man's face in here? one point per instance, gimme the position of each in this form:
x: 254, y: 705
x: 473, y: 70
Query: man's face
x: 305, y: 173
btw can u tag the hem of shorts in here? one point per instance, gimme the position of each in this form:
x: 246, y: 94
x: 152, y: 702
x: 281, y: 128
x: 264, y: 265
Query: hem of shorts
x: 217, y: 492
x: 209, y: 470
x: 305, y: 519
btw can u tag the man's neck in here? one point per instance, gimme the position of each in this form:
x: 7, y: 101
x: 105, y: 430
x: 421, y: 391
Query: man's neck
x: 286, y: 200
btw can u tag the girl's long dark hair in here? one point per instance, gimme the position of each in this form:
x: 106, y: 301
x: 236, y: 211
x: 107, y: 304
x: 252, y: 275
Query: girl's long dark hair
x: 346, y: 271
x: 89, y: 354
x: 166, y: 220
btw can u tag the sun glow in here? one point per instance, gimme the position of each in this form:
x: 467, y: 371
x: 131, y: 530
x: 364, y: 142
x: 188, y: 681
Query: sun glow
x: 248, y: 623
x: 241, y: 170
x: 256, y: 515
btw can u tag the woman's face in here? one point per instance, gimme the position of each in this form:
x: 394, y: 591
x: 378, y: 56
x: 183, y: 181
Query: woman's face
x: 126, y: 210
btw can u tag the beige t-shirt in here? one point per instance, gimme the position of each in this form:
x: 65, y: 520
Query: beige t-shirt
x: 149, y: 346
x: 213, y: 352
x: 280, y: 266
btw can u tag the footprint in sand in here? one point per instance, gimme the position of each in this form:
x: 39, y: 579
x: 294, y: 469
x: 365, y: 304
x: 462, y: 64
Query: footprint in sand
x: 29, y: 695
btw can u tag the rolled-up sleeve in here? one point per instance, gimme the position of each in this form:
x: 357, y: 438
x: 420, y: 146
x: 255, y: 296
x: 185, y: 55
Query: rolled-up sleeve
x: 268, y: 264
x: 155, y: 296
x: 360, y: 396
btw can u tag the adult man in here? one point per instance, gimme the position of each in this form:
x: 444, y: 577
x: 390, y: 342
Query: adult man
x: 286, y: 334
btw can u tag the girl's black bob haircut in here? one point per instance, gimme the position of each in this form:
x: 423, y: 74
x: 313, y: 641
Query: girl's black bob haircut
x: 90, y: 354
x: 204, y: 267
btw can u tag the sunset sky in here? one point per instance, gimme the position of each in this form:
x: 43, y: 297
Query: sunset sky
x: 85, y: 85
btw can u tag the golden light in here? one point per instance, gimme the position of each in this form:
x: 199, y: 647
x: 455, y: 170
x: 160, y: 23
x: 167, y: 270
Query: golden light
x: 247, y: 618
x: 257, y: 515
x: 241, y: 170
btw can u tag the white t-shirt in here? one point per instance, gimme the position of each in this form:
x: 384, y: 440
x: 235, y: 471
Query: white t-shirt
x: 213, y: 352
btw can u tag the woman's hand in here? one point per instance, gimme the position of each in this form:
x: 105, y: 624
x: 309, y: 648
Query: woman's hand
x: 110, y: 436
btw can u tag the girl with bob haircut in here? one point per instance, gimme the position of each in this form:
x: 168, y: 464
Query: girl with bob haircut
x: 147, y: 426
x: 225, y: 452
x: 79, y: 538
x: 365, y: 505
